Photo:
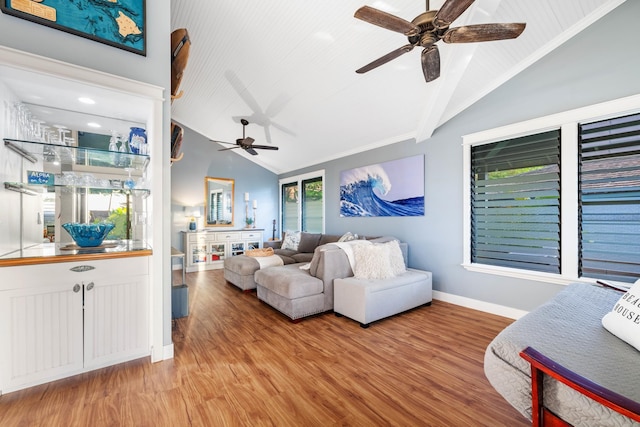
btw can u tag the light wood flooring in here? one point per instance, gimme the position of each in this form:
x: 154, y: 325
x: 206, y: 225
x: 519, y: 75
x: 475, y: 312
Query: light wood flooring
x: 238, y: 362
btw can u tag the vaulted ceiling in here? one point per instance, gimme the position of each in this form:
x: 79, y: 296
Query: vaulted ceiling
x: 288, y: 67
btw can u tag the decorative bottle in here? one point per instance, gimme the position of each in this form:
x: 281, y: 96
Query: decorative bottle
x: 138, y: 141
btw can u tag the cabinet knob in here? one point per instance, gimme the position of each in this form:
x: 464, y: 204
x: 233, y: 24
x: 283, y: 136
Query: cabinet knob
x: 76, y: 288
x: 90, y: 286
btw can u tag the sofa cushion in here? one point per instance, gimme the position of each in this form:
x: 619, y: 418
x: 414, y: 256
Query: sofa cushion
x: 303, y: 257
x: 286, y: 255
x: 328, y: 238
x: 289, y: 281
x: 308, y: 242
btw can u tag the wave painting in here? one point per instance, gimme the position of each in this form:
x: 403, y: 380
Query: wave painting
x: 394, y: 188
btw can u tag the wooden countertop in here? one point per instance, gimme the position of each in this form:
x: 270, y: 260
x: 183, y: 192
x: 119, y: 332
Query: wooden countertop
x: 47, y: 253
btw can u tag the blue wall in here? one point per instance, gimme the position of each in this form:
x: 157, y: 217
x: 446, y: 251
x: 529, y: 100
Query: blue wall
x: 202, y: 158
x: 599, y: 64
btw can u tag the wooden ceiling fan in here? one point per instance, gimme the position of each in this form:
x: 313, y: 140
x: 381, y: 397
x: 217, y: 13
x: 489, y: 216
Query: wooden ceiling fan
x: 246, y: 142
x: 430, y: 27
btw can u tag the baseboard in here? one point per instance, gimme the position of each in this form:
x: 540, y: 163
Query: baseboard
x: 167, y: 352
x: 487, y: 307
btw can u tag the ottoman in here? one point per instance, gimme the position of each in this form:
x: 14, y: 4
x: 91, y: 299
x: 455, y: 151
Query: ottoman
x: 368, y: 300
x: 240, y: 269
x: 291, y: 290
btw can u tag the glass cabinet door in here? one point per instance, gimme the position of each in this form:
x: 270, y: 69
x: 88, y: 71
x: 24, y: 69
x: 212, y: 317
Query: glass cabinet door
x: 217, y: 252
x: 198, y: 254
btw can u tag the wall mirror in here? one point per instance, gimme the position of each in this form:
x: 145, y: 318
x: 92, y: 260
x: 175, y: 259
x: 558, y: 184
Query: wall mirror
x: 218, y: 200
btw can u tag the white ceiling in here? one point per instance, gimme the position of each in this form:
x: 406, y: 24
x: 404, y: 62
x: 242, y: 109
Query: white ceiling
x: 289, y: 68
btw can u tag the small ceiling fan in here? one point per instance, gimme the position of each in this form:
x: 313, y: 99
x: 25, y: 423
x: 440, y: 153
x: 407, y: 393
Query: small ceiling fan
x: 246, y: 142
x: 430, y: 27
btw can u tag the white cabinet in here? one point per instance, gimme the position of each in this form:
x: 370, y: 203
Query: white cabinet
x: 207, y: 250
x: 62, y: 319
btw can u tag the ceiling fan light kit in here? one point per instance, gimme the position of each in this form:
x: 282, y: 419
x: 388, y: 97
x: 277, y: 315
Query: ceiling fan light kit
x: 246, y: 142
x: 428, y: 28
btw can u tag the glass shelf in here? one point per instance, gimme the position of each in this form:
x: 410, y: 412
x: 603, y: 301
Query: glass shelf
x: 76, y: 158
x: 33, y: 189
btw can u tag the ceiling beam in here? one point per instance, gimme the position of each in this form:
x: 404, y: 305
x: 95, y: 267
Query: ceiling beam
x: 453, y: 68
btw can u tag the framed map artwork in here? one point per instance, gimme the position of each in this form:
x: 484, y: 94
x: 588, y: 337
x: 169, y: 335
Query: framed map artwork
x: 118, y: 23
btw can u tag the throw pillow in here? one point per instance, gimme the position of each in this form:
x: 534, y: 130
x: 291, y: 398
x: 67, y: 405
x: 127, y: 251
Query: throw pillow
x: 308, y: 242
x: 623, y: 320
x: 396, y: 258
x: 347, y: 237
x: 372, y: 262
x: 291, y: 240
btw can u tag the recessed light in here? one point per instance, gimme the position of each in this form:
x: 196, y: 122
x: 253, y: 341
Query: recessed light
x: 86, y: 100
x: 93, y: 125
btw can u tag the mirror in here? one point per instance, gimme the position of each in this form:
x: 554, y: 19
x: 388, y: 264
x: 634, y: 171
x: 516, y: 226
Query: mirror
x: 218, y: 201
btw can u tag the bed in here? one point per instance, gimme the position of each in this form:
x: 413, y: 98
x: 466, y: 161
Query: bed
x: 568, y: 331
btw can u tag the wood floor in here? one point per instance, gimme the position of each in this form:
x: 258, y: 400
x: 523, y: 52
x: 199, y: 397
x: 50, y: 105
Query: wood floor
x: 238, y: 362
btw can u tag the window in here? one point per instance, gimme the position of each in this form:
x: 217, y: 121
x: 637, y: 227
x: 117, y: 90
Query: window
x: 302, y: 203
x: 610, y: 199
x: 557, y: 198
x: 515, y: 206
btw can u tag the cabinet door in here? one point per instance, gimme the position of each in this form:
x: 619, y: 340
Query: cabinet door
x: 116, y: 320
x: 197, y: 254
x: 41, y: 331
x: 237, y: 248
x: 216, y: 252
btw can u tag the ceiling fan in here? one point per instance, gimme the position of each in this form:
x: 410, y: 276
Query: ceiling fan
x: 246, y: 142
x: 430, y: 27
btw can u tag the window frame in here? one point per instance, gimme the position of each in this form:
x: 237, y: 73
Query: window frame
x: 567, y: 122
x: 299, y: 179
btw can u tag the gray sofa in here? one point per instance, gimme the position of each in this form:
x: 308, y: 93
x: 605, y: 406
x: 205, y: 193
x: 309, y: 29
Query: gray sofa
x: 299, y: 292
x: 239, y: 270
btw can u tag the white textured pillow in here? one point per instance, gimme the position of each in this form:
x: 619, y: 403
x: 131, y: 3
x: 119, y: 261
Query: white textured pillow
x: 372, y: 262
x: 395, y: 257
x: 623, y: 320
x: 291, y: 240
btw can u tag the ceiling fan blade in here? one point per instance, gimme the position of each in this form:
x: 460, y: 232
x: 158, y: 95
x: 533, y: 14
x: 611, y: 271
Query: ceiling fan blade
x: 246, y: 142
x: 386, y: 58
x: 449, y: 12
x: 264, y: 147
x: 431, y: 63
x: 386, y: 20
x: 483, y: 33
x: 229, y: 148
x: 251, y: 151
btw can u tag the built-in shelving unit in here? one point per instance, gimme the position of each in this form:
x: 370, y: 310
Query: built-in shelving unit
x: 75, y: 158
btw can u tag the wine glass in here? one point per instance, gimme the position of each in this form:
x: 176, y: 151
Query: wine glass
x: 129, y: 182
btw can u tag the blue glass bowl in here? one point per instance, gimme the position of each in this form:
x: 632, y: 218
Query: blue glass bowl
x: 88, y: 235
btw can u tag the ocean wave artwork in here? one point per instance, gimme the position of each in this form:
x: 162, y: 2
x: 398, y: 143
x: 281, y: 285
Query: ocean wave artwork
x: 394, y: 188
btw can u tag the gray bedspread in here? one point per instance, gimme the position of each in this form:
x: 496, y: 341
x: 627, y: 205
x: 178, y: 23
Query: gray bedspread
x: 567, y: 329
